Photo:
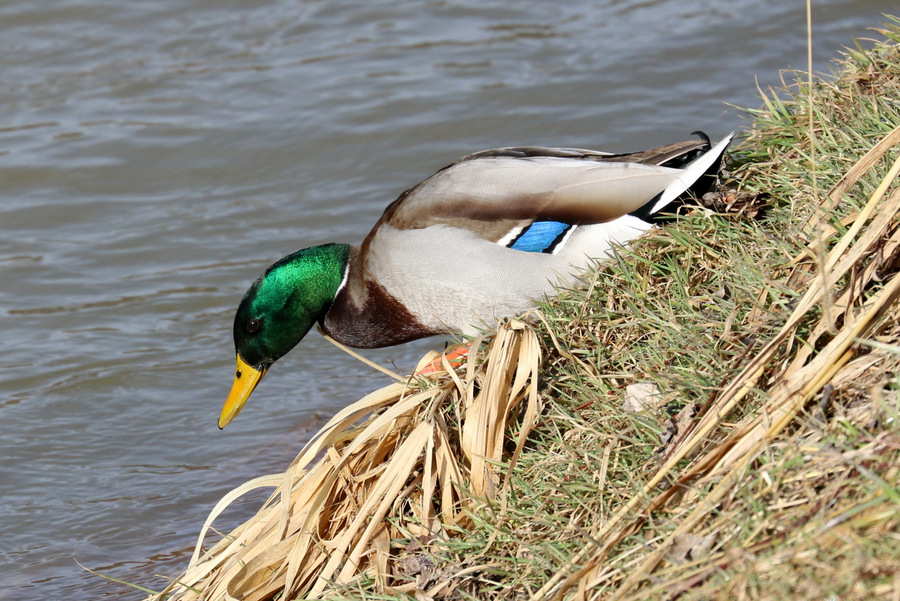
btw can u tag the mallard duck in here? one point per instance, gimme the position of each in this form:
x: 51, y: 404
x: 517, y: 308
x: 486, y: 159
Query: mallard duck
x: 482, y: 238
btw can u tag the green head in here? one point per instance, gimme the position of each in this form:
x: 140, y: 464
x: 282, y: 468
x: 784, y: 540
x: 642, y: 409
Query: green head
x: 277, y: 312
x: 287, y: 299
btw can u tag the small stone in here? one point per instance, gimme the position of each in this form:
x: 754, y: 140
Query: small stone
x: 642, y: 396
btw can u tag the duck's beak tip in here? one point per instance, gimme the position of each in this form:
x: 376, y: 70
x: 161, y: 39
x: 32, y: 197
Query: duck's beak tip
x: 246, y: 377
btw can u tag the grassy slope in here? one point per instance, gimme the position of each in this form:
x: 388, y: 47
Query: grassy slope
x: 815, y: 513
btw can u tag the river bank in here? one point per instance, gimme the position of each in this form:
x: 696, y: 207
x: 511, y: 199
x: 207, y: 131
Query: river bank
x: 763, y: 463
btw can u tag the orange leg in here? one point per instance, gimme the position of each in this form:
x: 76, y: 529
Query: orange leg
x: 455, y: 357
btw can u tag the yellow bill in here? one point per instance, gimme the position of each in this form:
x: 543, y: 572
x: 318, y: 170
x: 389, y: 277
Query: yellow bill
x: 246, y: 377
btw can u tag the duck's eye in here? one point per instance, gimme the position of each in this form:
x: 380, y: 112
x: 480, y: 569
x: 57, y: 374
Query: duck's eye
x: 252, y: 325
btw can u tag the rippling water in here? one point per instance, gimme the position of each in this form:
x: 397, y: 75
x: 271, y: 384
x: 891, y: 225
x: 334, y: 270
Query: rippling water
x: 155, y: 156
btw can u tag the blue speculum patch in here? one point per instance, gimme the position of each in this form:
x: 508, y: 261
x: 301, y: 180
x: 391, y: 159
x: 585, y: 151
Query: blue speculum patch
x: 540, y: 236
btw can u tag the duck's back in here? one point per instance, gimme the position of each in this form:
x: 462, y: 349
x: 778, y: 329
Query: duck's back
x: 488, y: 235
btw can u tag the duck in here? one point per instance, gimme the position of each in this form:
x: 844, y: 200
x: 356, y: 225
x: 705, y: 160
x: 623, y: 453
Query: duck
x: 487, y: 236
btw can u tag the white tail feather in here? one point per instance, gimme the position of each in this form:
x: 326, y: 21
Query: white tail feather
x: 692, y: 173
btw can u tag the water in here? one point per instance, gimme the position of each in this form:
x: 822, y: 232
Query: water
x: 154, y: 157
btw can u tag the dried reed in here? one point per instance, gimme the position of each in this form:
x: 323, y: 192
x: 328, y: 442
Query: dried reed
x: 426, y: 452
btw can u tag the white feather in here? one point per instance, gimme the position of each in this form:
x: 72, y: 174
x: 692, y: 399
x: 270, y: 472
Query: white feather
x: 505, y: 240
x: 692, y: 173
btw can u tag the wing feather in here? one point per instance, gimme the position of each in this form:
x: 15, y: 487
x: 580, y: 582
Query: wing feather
x: 496, y: 193
x: 513, y: 190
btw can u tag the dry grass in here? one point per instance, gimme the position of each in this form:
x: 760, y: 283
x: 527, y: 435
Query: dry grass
x: 768, y: 468
x: 407, y: 472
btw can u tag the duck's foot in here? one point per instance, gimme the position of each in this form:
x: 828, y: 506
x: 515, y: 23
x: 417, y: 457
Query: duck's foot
x: 455, y: 357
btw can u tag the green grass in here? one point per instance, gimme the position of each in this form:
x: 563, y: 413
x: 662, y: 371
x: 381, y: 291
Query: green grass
x: 815, y: 514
